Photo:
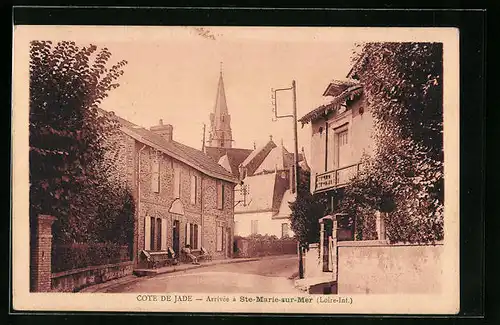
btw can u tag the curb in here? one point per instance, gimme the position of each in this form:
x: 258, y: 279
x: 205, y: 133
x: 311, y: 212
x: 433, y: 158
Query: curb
x: 186, y: 267
x: 123, y: 281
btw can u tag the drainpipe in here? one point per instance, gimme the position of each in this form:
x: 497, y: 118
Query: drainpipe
x: 202, y: 215
x: 138, y: 205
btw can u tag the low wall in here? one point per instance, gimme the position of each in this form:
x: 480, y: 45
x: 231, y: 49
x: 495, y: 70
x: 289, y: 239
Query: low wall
x: 378, y: 267
x: 75, y: 280
x: 245, y: 247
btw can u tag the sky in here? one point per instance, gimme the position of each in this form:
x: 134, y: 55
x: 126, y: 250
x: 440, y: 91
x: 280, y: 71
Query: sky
x: 172, y: 74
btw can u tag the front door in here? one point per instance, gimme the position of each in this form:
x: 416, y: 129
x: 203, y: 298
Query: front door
x: 175, y: 237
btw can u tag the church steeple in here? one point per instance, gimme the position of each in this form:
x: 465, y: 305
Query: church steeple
x: 220, y: 120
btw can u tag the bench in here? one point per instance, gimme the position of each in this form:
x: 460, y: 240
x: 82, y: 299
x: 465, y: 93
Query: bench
x: 157, y: 259
x: 201, y: 254
x: 205, y: 255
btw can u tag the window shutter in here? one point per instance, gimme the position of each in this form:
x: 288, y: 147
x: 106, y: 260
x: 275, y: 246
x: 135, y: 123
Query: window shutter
x: 188, y: 233
x: 177, y: 182
x: 155, y: 175
x: 193, y: 189
x: 222, y: 196
x: 219, y: 239
x: 163, y: 234
x: 147, y: 233
x: 198, y: 233
x: 219, y: 195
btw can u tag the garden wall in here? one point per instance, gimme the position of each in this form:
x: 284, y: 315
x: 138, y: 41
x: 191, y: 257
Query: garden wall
x: 378, y: 267
x: 75, y: 280
x: 265, y: 246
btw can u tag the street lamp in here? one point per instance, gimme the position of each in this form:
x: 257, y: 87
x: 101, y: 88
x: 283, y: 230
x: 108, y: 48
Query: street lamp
x: 296, y: 148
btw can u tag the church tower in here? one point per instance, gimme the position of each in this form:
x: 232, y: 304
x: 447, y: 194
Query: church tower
x: 220, y: 121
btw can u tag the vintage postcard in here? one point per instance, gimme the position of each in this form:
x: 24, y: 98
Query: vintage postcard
x: 309, y: 170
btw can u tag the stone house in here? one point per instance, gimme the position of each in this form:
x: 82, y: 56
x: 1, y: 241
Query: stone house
x: 182, y: 196
x: 341, y: 133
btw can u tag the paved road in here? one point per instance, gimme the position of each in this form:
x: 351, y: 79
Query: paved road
x: 268, y: 275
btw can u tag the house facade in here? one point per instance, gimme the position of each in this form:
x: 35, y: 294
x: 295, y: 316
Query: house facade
x: 182, y: 196
x: 341, y: 132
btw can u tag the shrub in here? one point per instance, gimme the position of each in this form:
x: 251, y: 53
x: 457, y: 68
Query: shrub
x: 78, y: 255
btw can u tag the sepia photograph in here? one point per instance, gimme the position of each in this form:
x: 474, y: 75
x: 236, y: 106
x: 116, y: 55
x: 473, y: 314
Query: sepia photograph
x: 236, y: 169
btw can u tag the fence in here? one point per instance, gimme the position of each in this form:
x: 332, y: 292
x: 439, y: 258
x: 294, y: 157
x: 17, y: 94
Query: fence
x: 81, y: 255
x: 263, y: 246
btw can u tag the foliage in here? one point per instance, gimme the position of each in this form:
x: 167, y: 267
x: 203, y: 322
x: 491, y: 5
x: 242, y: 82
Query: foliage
x: 307, y: 209
x: 75, y: 256
x: 402, y: 84
x: 70, y: 165
x: 263, y: 245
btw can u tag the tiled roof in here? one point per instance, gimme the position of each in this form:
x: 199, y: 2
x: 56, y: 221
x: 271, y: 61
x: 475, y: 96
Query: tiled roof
x: 284, y: 210
x: 336, y: 86
x: 333, y: 105
x: 190, y: 156
x: 234, y: 157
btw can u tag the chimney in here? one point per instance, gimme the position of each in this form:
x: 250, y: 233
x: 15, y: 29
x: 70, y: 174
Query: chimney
x: 164, y: 130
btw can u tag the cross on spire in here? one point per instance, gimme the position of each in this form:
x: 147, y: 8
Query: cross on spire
x: 221, y: 68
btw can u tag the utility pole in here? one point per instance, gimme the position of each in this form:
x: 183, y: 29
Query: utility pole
x: 293, y: 88
x: 203, y: 144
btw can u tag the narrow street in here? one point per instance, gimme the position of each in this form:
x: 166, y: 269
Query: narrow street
x: 268, y: 275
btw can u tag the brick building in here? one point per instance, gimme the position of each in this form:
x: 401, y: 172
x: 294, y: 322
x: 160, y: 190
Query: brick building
x: 182, y: 196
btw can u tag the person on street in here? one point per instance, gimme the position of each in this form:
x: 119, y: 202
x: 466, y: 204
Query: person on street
x: 187, y: 251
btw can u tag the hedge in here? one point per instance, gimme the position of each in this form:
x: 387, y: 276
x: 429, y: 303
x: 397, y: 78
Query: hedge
x: 79, y: 255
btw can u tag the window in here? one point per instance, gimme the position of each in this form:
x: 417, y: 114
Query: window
x: 284, y: 230
x: 220, y: 195
x: 219, y: 234
x: 155, y: 174
x: 236, y: 227
x: 152, y: 234
x: 177, y: 182
x: 158, y: 234
x: 193, y: 235
x: 254, y: 227
x: 342, y: 148
x: 147, y: 233
x: 194, y: 189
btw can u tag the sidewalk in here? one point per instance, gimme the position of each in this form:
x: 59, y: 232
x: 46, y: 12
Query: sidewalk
x: 316, y: 285
x: 141, y: 273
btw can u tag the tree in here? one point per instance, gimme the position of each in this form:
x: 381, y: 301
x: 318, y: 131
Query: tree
x: 69, y: 169
x: 402, y: 83
x: 307, y: 209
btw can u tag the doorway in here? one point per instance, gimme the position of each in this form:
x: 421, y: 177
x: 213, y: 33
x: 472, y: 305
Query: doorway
x: 175, y: 237
x: 229, y: 245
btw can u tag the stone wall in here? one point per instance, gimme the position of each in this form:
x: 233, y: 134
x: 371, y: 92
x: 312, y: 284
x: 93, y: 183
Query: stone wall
x: 377, y: 267
x: 75, y: 280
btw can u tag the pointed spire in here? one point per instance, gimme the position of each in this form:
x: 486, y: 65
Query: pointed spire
x: 220, y: 128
